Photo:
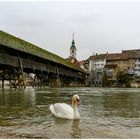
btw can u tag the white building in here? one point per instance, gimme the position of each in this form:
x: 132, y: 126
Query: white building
x: 96, y: 67
x: 97, y: 61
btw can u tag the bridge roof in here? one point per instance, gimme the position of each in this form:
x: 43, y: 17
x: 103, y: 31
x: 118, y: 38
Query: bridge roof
x: 24, y: 46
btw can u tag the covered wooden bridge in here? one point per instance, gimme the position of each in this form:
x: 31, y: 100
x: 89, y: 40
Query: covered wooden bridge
x: 18, y: 58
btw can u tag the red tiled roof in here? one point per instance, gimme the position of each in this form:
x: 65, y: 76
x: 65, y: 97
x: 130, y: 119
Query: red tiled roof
x: 117, y: 56
x: 98, y: 57
x: 132, y: 53
x: 135, y: 50
x: 81, y: 62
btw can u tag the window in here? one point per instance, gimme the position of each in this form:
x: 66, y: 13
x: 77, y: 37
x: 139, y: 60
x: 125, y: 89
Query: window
x: 110, y: 73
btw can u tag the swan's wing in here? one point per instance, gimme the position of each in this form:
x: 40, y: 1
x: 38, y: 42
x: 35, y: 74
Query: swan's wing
x: 52, y: 109
x: 62, y: 110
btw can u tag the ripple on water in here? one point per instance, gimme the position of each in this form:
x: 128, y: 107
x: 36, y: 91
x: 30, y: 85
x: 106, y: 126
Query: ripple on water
x: 105, y: 113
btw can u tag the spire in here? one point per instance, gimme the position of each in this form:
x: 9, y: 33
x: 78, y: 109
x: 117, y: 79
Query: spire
x: 73, y: 35
x: 73, y: 43
x: 73, y: 48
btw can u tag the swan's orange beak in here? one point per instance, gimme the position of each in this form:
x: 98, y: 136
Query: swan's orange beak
x: 78, y: 101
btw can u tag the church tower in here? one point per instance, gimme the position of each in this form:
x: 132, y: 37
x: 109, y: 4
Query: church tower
x: 73, y: 49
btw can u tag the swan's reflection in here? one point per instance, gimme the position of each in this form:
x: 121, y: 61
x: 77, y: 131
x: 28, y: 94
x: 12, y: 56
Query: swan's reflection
x: 75, y: 130
x: 63, y: 126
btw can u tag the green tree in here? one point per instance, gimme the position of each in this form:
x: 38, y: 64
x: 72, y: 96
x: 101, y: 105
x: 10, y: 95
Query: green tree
x: 123, y: 79
x: 105, y: 81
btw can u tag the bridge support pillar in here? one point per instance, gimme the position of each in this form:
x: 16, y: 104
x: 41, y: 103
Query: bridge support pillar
x: 2, y: 79
x: 22, y: 74
x: 2, y: 83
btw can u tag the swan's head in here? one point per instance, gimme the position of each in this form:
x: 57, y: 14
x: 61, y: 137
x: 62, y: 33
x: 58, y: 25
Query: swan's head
x: 75, y: 100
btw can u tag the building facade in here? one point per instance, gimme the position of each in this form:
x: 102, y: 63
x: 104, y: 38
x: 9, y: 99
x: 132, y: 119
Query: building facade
x: 97, y: 61
x: 96, y: 68
x: 128, y: 61
x: 134, y: 61
x: 137, y: 67
x: 115, y: 63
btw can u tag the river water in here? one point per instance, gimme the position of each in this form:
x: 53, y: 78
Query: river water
x: 105, y: 113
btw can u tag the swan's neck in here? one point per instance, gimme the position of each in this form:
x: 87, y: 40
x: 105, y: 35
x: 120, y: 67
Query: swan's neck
x: 75, y: 108
x: 76, y: 114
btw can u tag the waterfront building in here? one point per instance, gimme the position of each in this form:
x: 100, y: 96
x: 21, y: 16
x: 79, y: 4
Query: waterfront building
x: 137, y: 67
x: 97, y: 61
x: 96, y: 68
x: 128, y: 61
x: 115, y: 63
x: 134, y: 61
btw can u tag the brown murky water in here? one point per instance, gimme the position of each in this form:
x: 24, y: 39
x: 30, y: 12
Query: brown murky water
x: 105, y: 113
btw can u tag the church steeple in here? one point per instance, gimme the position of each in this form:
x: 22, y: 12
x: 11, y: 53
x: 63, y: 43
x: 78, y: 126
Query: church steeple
x: 73, y: 48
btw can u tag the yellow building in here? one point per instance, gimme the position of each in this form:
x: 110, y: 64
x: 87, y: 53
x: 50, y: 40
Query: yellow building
x: 117, y: 62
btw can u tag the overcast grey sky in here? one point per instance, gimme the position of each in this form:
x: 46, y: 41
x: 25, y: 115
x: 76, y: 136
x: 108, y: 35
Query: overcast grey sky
x: 99, y: 26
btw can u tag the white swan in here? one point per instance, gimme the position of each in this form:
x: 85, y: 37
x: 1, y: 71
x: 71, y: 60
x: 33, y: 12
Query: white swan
x: 62, y: 110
